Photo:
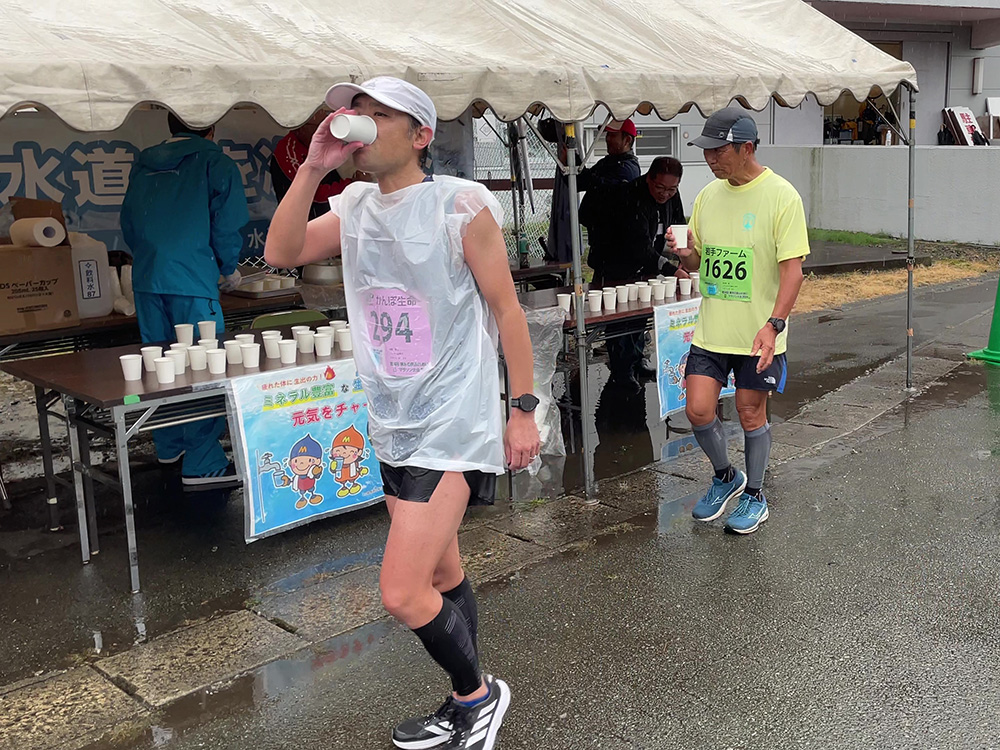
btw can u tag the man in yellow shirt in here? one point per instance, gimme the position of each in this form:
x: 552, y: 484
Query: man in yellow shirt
x: 747, y: 237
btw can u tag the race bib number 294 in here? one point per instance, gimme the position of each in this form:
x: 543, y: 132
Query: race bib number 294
x: 400, y: 332
x: 727, y: 273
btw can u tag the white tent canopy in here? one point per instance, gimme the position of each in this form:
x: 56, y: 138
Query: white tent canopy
x: 92, y: 61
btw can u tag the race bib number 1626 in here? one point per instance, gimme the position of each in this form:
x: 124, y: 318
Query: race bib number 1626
x: 727, y: 273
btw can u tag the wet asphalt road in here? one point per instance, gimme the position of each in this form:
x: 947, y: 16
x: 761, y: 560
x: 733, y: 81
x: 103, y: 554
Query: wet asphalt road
x: 863, y: 615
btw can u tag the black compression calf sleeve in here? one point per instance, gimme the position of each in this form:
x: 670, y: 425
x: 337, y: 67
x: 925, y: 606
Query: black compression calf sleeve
x: 448, y: 641
x: 465, y: 600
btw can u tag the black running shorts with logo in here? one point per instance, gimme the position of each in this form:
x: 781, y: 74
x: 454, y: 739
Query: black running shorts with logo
x: 718, y: 366
x: 417, y: 485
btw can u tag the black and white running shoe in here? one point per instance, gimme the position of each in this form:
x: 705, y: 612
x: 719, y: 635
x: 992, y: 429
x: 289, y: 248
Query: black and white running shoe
x: 476, y: 728
x: 427, y: 731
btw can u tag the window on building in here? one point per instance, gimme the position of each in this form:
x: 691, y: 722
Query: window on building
x: 654, y: 140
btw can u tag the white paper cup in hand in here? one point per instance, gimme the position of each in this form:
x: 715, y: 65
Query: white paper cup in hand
x: 622, y: 292
x: 216, y: 361
x: 209, y: 344
x: 353, y: 128
x: 287, y: 350
x: 245, y: 338
x: 659, y: 290
x: 305, y: 341
x: 233, y: 354
x: 609, y: 300
x: 323, y: 343
x: 633, y: 292
x: 685, y: 287
x: 271, y: 348
x: 344, y: 340
x: 206, y: 329
x: 645, y: 293
x: 149, y: 356
x: 131, y: 366
x: 166, y: 370
x: 670, y: 285
x: 179, y: 358
x: 250, y: 354
x: 197, y: 357
x: 184, y: 333
x: 680, y: 235
x: 563, y: 300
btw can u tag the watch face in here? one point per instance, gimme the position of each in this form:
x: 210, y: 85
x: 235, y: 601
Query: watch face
x: 527, y: 402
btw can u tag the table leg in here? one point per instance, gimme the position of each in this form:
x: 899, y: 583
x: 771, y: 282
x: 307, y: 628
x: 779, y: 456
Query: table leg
x: 74, y: 457
x: 83, y: 439
x: 121, y: 445
x: 41, y: 406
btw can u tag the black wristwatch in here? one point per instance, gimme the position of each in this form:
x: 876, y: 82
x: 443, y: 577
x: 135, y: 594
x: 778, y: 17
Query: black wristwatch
x: 777, y: 324
x: 527, y: 402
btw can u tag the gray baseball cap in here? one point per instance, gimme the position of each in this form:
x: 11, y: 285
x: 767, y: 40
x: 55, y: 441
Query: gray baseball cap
x: 729, y: 125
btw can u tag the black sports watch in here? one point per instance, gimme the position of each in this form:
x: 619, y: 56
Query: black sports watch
x: 777, y: 324
x: 527, y: 402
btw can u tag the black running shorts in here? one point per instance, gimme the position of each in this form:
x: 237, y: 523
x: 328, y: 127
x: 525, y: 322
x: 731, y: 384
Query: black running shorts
x: 718, y: 366
x: 417, y: 485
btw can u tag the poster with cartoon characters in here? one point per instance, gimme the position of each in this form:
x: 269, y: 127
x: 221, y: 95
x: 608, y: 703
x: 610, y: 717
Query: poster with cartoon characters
x: 304, y: 446
x: 674, y: 331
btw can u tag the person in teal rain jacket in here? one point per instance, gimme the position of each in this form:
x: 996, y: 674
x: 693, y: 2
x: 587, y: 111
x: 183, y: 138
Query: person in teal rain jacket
x: 181, y: 218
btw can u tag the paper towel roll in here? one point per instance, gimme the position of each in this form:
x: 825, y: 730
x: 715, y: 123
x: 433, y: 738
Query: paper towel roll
x: 37, y: 232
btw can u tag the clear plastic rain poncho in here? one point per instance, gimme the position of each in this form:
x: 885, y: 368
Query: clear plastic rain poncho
x: 425, y: 342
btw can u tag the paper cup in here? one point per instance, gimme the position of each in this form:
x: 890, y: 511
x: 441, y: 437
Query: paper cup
x: 216, y: 361
x: 337, y: 324
x: 622, y: 294
x: 645, y: 293
x: 594, y: 302
x: 684, y: 285
x: 271, y: 348
x: 288, y: 349
x: 270, y: 334
x: 166, y: 370
x: 179, y: 358
x: 184, y: 333
x: 633, y: 292
x: 353, y: 128
x: 178, y: 347
x: 305, y: 341
x: 297, y: 329
x: 323, y: 344
x: 197, y: 357
x: 271, y: 284
x: 563, y: 300
x: 250, y: 354
x: 206, y: 329
x: 209, y: 344
x: 149, y: 356
x: 680, y: 235
x: 642, y: 283
x: 233, y: 354
x: 253, y: 286
x: 695, y: 283
x: 286, y: 282
x: 659, y: 290
x: 609, y: 301
x: 344, y: 340
x: 246, y: 338
x: 670, y: 285
x: 131, y: 366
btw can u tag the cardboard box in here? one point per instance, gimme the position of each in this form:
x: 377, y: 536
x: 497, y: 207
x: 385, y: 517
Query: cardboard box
x: 37, y: 287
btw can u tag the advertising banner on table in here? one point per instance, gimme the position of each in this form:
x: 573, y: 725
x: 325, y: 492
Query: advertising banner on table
x: 674, y: 332
x: 304, y: 445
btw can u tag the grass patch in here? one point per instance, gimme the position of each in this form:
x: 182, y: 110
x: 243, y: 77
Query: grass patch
x: 836, y: 290
x: 843, y: 237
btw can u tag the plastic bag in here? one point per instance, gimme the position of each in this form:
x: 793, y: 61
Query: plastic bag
x: 545, y: 327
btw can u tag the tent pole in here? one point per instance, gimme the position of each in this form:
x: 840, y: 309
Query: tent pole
x: 581, y: 328
x: 912, y: 150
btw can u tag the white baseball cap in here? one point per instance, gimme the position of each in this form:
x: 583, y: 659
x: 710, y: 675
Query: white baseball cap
x: 394, y: 93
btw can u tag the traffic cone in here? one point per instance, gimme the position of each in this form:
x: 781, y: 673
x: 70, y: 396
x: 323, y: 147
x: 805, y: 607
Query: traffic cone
x: 991, y: 353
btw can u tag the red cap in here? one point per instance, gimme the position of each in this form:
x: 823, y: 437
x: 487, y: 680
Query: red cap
x: 626, y: 126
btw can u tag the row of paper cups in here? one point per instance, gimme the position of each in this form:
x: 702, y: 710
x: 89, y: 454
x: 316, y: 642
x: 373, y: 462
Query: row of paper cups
x: 642, y: 291
x: 241, y: 350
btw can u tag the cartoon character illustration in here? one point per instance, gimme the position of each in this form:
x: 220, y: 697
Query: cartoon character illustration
x: 305, y: 461
x: 345, y: 461
x: 677, y: 375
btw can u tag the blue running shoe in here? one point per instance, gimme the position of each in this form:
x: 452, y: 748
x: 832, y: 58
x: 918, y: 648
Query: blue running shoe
x: 713, y: 504
x: 749, y: 514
